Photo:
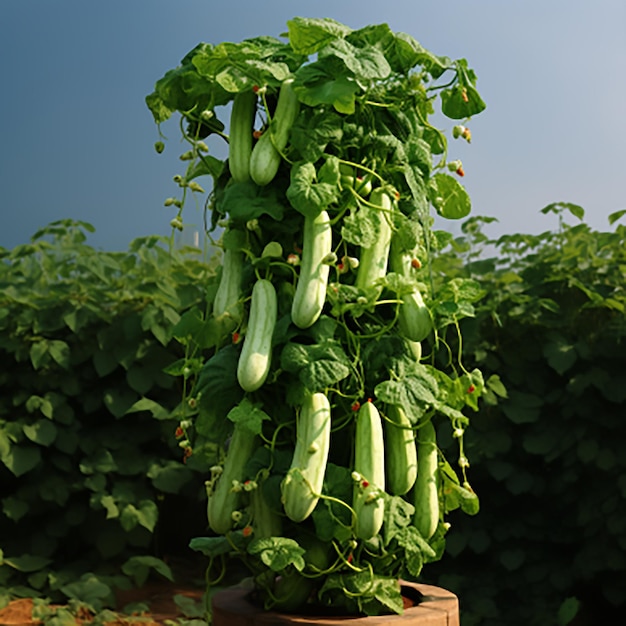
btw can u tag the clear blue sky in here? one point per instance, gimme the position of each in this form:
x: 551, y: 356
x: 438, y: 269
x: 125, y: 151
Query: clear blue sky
x: 76, y: 139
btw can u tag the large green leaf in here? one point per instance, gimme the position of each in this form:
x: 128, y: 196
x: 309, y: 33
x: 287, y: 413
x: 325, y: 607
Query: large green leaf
x: 247, y: 201
x: 306, y: 194
x: 308, y: 35
x: 43, y: 432
x: 278, y: 552
x: 139, y: 568
x: 449, y: 197
x: 21, y: 459
x: 318, y: 365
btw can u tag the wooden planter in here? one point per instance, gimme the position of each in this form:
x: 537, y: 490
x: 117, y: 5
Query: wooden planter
x: 437, y: 607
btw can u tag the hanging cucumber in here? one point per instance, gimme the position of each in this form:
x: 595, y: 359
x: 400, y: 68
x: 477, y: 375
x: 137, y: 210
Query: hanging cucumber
x: 256, y: 354
x: 414, y: 318
x: 223, y: 500
x: 310, y: 293
x: 400, y: 451
x: 240, y: 137
x: 425, y: 494
x: 302, y: 485
x: 266, y: 522
x: 228, y: 303
x: 266, y: 154
x: 373, y: 260
x: 369, y: 468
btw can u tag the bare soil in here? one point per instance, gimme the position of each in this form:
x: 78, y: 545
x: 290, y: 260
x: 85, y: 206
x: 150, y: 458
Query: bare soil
x: 158, y: 595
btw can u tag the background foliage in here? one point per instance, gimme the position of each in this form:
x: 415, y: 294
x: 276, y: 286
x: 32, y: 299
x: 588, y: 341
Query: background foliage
x: 548, y: 461
x: 91, y: 472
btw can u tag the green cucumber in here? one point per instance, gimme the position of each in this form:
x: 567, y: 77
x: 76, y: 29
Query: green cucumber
x: 310, y: 295
x: 266, y: 522
x: 414, y: 318
x: 267, y: 153
x: 223, y: 500
x: 240, y: 137
x: 228, y: 302
x: 373, y: 260
x: 425, y: 493
x: 302, y: 485
x: 400, y: 451
x: 369, y: 466
x: 256, y: 354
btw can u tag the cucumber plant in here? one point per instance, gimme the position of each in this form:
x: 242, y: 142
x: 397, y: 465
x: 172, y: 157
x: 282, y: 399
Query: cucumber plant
x: 318, y: 361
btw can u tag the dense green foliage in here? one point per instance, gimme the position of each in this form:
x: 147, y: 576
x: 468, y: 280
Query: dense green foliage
x: 549, y: 460
x: 88, y: 455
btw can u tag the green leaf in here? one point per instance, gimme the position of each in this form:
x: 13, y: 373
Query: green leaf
x: 169, y: 478
x: 362, y: 592
x: 307, y: 196
x: 462, y: 100
x: 157, y: 411
x: 190, y: 609
x: 159, y: 110
x: 192, y: 329
x: 247, y: 201
x: 139, y: 567
x: 21, y: 459
x: 559, y: 207
x: 318, y: 366
x: 522, y: 408
x: 211, y: 546
x: 617, y: 215
x: 398, y: 515
x: 146, y: 515
x: 413, y: 557
x: 278, y: 553
x: 333, y: 520
x: 38, y: 353
x: 402, y: 51
x: 560, y: 353
x: 60, y: 352
x: 327, y: 81
x: 308, y: 35
x: 366, y: 63
x: 108, y: 503
x: 27, y: 562
x: 272, y: 250
x: 495, y: 384
x: 14, y: 508
x: 119, y: 401
x: 206, y: 165
x: 311, y: 134
x: 568, y: 611
x: 237, y: 67
x: 218, y: 391
x: 249, y: 415
x: 457, y: 495
x: 416, y: 392
x: 42, y: 432
x: 361, y: 227
x: 89, y: 590
x: 449, y: 197
x: 105, y: 362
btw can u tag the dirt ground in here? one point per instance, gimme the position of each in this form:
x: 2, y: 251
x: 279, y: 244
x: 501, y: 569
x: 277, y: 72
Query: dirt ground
x: 159, y: 596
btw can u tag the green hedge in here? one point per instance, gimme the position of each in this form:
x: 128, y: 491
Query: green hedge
x: 92, y: 476
x: 91, y: 473
x: 548, y: 462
